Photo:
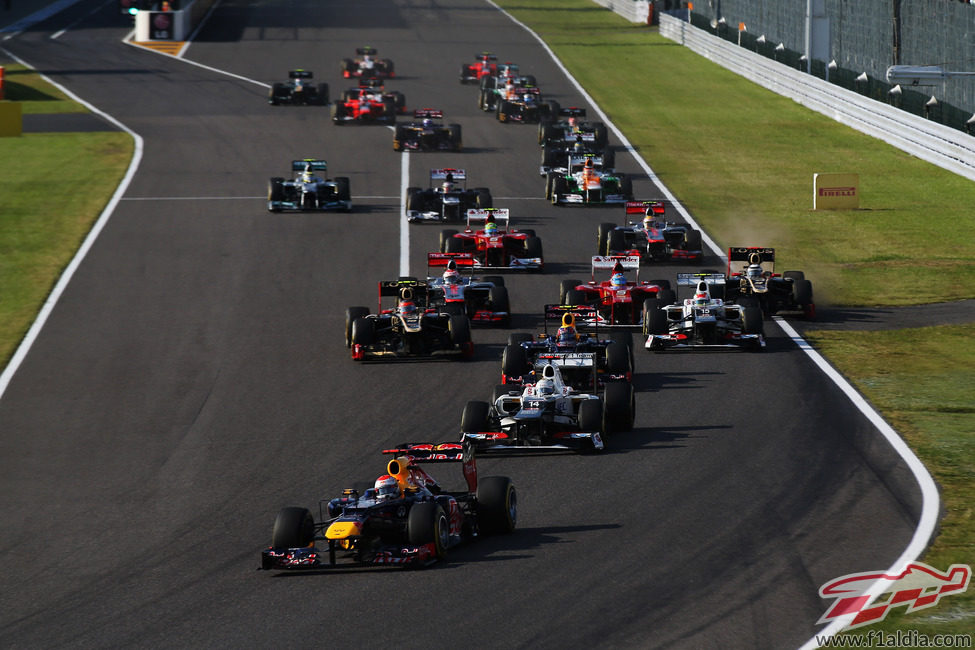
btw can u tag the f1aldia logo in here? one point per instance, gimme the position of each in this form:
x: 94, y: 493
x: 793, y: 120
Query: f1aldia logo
x: 919, y: 586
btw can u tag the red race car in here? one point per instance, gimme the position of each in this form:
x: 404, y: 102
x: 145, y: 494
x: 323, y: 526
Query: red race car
x: 369, y: 103
x: 618, y: 301
x: 485, y: 65
x: 496, y: 245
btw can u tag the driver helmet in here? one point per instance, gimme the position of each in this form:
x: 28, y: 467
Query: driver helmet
x: 588, y: 165
x: 307, y: 177
x: 490, y: 229
x: 566, y: 334
x: 299, y: 84
x: 387, y: 488
x: 545, y: 387
x: 648, y: 221
x: 451, y: 276
x: 618, y: 280
x: 579, y: 145
x: 572, y: 122
x: 447, y: 186
x: 700, y: 299
x: 367, y: 58
x: 528, y: 98
x: 755, y: 271
x: 427, y: 123
x: 407, y: 307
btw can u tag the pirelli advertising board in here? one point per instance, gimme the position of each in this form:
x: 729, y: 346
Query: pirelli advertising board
x: 836, y: 191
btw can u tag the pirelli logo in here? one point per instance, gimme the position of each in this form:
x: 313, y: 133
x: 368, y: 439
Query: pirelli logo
x: 836, y: 191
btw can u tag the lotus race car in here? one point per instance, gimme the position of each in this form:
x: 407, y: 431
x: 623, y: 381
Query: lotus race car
x: 449, y: 201
x: 482, y: 300
x: 298, y: 90
x: 485, y: 65
x: 410, y: 520
x: 649, y: 236
x: 426, y: 135
x: 365, y: 64
x: 584, y: 182
x: 369, y: 103
x: 752, y: 280
x: 496, y: 245
x: 618, y: 302
x: 307, y: 191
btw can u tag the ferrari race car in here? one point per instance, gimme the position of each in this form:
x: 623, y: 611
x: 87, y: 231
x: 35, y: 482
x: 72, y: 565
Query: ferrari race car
x: 299, y: 89
x: 702, y: 322
x: 408, y: 520
x: 496, y: 245
x: 366, y: 64
x: 485, y: 65
x: 545, y: 414
x: 411, y: 330
x: 426, y: 135
x: 447, y: 198
x: 618, y: 301
x: 307, y: 191
x: 752, y: 280
x: 569, y: 123
x: 649, y: 235
x: 583, y: 182
x: 482, y: 300
x: 369, y: 103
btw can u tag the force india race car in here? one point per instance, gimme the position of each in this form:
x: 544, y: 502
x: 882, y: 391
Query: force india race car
x: 426, y: 135
x: 752, y: 280
x: 482, y: 300
x: 485, y: 65
x: 584, y: 182
x: 413, y: 521
x: 365, y: 64
x: 703, y: 322
x: 307, y: 191
x: 369, y: 103
x: 496, y: 245
x: 448, y: 201
x: 412, y: 330
x: 298, y: 90
x: 618, y: 301
x: 649, y: 235
x: 546, y: 413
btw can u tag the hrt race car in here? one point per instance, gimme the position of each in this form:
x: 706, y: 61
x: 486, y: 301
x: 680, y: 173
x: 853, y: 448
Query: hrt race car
x: 366, y: 64
x: 424, y: 134
x: 752, y: 280
x: 299, y: 89
x: 369, y: 103
x: 485, y: 65
x: 646, y: 233
x: 308, y: 191
x: 447, y: 198
x: 410, y: 519
x: 482, y: 300
x: 585, y: 183
x: 618, y: 301
x: 493, y: 243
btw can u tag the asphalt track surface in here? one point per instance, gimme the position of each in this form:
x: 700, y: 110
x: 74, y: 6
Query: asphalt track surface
x: 193, y: 379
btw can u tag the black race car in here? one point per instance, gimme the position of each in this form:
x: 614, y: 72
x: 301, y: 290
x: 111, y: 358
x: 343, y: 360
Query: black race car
x: 447, y: 198
x: 752, y: 280
x: 649, y: 235
x: 299, y: 89
x: 308, y: 191
x: 424, y: 134
x: 570, y: 123
x: 366, y: 64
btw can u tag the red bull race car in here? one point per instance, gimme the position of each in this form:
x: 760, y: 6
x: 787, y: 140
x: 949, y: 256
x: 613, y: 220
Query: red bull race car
x: 485, y: 65
x: 366, y: 64
x: 646, y: 233
x: 483, y: 300
x: 493, y: 243
x: 618, y: 301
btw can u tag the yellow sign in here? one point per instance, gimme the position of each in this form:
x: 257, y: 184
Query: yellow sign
x: 836, y: 191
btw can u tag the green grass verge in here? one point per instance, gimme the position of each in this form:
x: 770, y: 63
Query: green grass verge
x: 21, y: 84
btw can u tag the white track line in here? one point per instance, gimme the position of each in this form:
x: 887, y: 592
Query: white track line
x: 404, y: 224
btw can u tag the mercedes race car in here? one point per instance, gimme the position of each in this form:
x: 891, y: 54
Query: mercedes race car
x: 583, y: 182
x: 482, y: 300
x: 405, y: 518
x: 299, y: 89
x: 556, y: 157
x: 618, y: 301
x: 567, y: 124
x: 495, y: 245
x: 413, y: 329
x: 447, y: 198
x: 369, y: 103
x: 649, y: 235
x: 494, y: 88
x: 752, y: 280
x: 308, y: 191
x: 702, y: 322
x: 366, y: 64
x: 424, y: 134
x: 485, y: 65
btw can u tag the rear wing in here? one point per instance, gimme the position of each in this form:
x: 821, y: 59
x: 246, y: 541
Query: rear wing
x: 480, y: 216
x: 428, y: 112
x: 556, y: 312
x: 641, y: 207
x: 614, y: 262
x: 566, y: 359
x: 314, y: 165
x: 300, y: 74
x: 415, y: 290
x: 445, y: 452
x: 740, y: 257
x: 485, y: 56
x: 460, y: 260
x: 441, y: 174
x: 691, y: 279
x: 371, y: 82
x: 363, y: 51
x: 572, y: 111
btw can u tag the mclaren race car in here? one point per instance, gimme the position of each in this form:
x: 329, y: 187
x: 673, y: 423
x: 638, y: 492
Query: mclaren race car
x: 752, y: 280
x: 492, y: 242
x: 366, y: 64
x: 299, y: 89
x: 584, y: 182
x: 646, y: 233
x: 618, y: 301
x: 447, y: 198
x: 483, y: 300
x: 425, y: 134
x: 307, y: 191
x: 485, y: 65
x: 370, y: 103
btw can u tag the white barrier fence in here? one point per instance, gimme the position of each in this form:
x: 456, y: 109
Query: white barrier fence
x: 634, y: 11
x: 170, y: 25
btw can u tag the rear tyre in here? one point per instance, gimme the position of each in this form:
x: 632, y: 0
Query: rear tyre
x: 575, y: 297
x: 617, y: 359
x: 514, y: 361
x: 564, y: 287
x: 602, y: 237
x: 446, y: 236
x: 618, y: 407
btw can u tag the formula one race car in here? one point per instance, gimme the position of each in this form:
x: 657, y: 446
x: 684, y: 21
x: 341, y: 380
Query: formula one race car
x: 369, y: 103
x: 482, y: 300
x: 568, y: 124
x: 365, y: 64
x: 585, y: 183
x: 495, y: 87
x: 556, y: 157
x: 545, y: 414
x: 649, y: 235
x: 298, y: 90
x: 523, y: 103
x: 308, y: 191
x: 426, y: 135
x: 413, y: 329
x: 702, y: 322
x: 618, y: 301
x: 405, y: 518
x: 496, y: 245
x: 485, y: 65
x: 752, y: 280
x: 447, y: 198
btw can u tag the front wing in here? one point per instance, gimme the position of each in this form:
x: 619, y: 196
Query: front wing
x: 499, y: 442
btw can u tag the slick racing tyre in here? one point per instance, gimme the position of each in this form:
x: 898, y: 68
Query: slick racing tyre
x: 602, y: 237
x: 497, y: 505
x: 351, y: 315
x: 293, y: 528
x: 427, y: 524
x: 618, y: 407
x: 446, y: 236
x: 591, y: 416
x: 565, y: 286
x: 475, y: 417
x: 514, y: 361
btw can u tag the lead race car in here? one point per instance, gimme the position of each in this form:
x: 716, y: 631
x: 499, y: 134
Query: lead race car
x: 495, y: 245
x: 447, y: 198
x: 585, y: 182
x: 618, y: 301
x: 482, y: 300
x: 407, y: 518
x: 424, y: 134
x: 649, y: 235
x: 367, y: 64
x: 308, y: 191
x: 299, y: 89
x: 752, y: 280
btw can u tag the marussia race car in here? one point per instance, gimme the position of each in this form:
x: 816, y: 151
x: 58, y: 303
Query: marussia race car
x: 618, y: 302
x: 561, y: 131
x: 495, y: 247
x: 485, y: 65
x: 412, y: 330
x: 370, y: 103
x: 650, y: 236
x: 752, y: 280
x: 585, y: 183
x: 365, y: 64
x: 307, y: 191
x: 426, y: 135
x: 703, y: 322
x: 298, y: 90
x: 483, y: 300
x: 411, y: 524
x: 546, y: 413
x: 449, y: 201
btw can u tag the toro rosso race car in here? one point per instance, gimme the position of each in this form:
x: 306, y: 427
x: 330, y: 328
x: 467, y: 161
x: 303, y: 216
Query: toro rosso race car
x: 649, y: 235
x: 495, y: 245
x: 485, y: 65
x: 482, y: 300
x: 369, y: 103
x: 585, y: 182
x: 447, y: 198
x: 424, y: 134
x: 299, y: 89
x: 308, y: 191
x: 366, y: 64
x: 405, y: 518
x: 413, y: 329
x: 752, y: 280
x: 523, y: 103
x: 618, y: 301
x: 703, y: 322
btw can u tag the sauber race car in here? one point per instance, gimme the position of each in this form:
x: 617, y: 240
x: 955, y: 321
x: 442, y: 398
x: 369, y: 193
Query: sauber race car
x: 405, y: 518
x: 366, y: 64
x: 569, y: 123
x: 447, y: 198
x: 413, y: 329
x: 299, y: 89
x: 752, y: 280
x: 485, y: 65
x: 483, y: 300
x: 424, y: 134
x: 702, y: 322
x: 584, y: 182
x: 308, y: 191
x: 495, y: 245
x: 646, y: 233
x: 369, y: 103
x: 546, y: 413
x: 618, y: 301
